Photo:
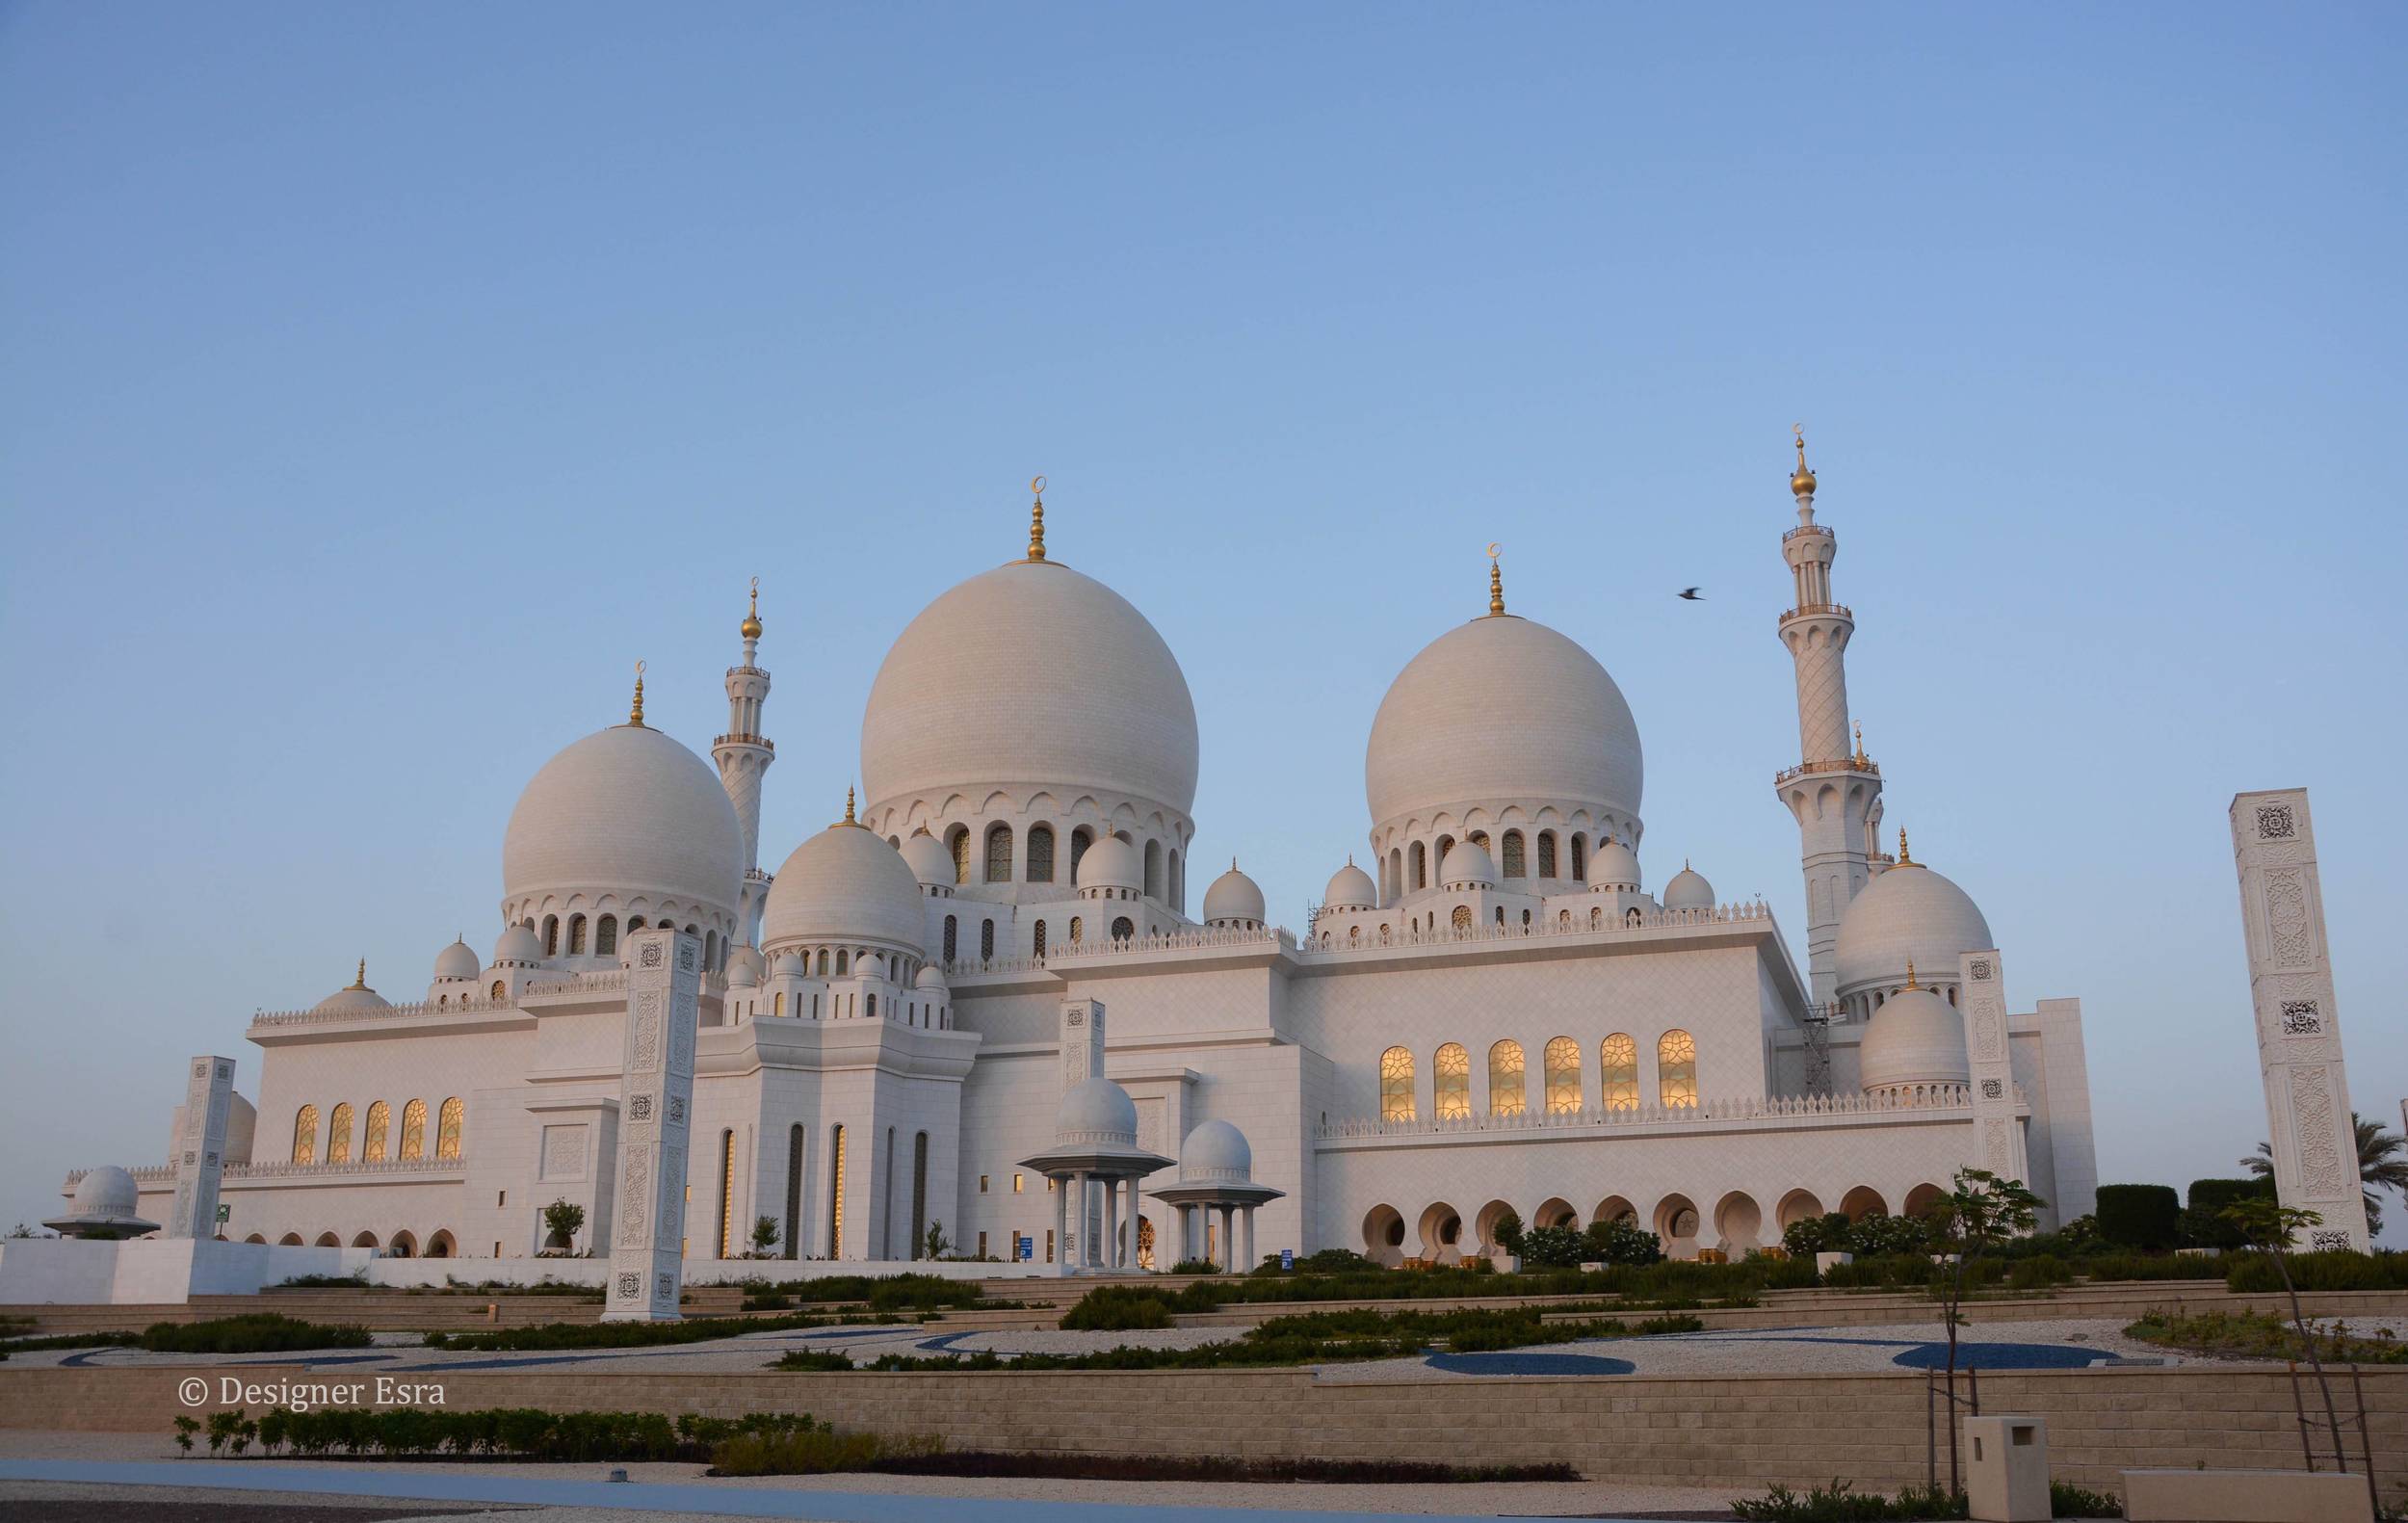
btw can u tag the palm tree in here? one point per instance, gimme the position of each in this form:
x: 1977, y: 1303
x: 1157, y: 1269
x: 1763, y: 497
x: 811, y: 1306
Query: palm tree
x: 2382, y: 1164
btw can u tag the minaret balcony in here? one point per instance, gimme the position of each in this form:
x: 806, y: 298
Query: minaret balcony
x: 762, y: 741
x: 1804, y: 529
x: 1866, y: 766
x: 1808, y: 610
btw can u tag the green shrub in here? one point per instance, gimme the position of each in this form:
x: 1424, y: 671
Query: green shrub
x: 817, y: 1451
x: 2147, y: 1267
x: 2255, y: 1272
x: 254, y: 1332
x: 2037, y: 1274
x: 2263, y: 1335
x: 1195, y: 1267
x: 2145, y: 1217
x: 512, y: 1433
x: 2203, y: 1224
x: 1553, y: 1247
x: 623, y: 1334
x: 74, y: 1340
x: 1117, y: 1308
x: 882, y: 1291
x: 358, y: 1280
x: 1624, y: 1242
x: 1877, y: 1235
x: 1841, y: 1503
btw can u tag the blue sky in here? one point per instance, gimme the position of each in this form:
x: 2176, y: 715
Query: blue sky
x: 377, y: 384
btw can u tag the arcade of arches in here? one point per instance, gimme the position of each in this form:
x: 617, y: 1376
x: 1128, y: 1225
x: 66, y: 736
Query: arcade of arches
x: 1733, y: 1224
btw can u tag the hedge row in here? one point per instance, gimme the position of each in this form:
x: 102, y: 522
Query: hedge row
x: 519, y: 1432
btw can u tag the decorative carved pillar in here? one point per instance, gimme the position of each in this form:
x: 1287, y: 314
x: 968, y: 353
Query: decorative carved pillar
x: 201, y: 1152
x: 647, y: 1229
x: 1997, y: 1135
x: 2299, y: 1037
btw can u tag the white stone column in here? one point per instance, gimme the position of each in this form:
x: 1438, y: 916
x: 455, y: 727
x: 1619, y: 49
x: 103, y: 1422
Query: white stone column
x: 1110, y: 1248
x: 1061, y: 1226
x: 647, y: 1228
x: 1229, y: 1237
x: 201, y: 1152
x: 1999, y: 1142
x: 1249, y: 1261
x: 2299, y: 1037
x: 1130, y: 1219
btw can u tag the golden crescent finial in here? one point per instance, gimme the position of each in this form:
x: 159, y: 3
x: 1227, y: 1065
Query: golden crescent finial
x: 1037, y: 485
x: 635, y: 712
x: 1802, y: 481
x: 1496, y: 582
x: 1036, y: 518
x: 750, y: 628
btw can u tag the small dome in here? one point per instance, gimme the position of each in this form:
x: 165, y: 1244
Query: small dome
x: 1908, y: 914
x: 1915, y: 1037
x: 1613, y: 865
x: 747, y: 958
x: 625, y: 811
x: 1111, y: 863
x: 517, y: 944
x: 106, y: 1192
x: 1467, y: 861
x: 929, y: 860
x: 358, y: 996
x: 1096, y: 1110
x: 1216, y: 1153
x: 740, y: 975
x: 1350, y: 888
x: 788, y: 964
x: 843, y: 884
x: 931, y: 980
x: 458, y: 960
x: 1688, y: 890
x: 1233, y: 896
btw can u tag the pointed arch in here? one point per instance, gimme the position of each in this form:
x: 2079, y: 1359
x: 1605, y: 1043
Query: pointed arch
x: 339, y: 1134
x: 1505, y: 1078
x: 447, y: 1128
x: 1396, y: 1084
x: 1676, y: 1069
x: 1451, y: 1084
x: 1563, y: 1058
x: 306, y: 1135
x: 415, y: 1130
x: 999, y: 852
x: 1040, y: 853
x: 1617, y: 1072
x: 379, y: 1123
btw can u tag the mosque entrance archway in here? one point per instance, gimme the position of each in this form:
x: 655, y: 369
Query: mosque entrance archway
x: 366, y: 1239
x: 1799, y: 1206
x: 290, y: 1240
x: 1383, y: 1236
x: 1555, y: 1212
x: 1486, y: 1227
x: 1442, y: 1229
x: 1615, y: 1208
x: 328, y: 1240
x: 441, y: 1246
x: 1863, y: 1201
x: 1739, y: 1224
x: 1676, y: 1224
x: 402, y: 1247
x: 1922, y: 1198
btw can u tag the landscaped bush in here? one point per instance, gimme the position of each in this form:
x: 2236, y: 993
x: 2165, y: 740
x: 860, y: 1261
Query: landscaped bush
x: 1215, y: 1467
x: 2145, y: 1217
x: 1195, y: 1267
x: 254, y: 1332
x: 74, y: 1340
x: 1877, y: 1235
x: 518, y: 1432
x: 624, y: 1334
x: 812, y: 1449
x: 1553, y: 1247
x: 2146, y: 1265
x: 1624, y: 1242
x: 882, y: 1291
x: 1117, y: 1308
x: 2255, y: 1272
x: 1841, y: 1503
x: 2263, y: 1335
x: 358, y: 1280
x: 2202, y: 1223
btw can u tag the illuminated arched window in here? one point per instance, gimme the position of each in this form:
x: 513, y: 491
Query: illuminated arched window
x: 1078, y: 929
x: 959, y: 841
x: 1451, y: 1087
x: 1579, y: 865
x: 777, y: 1003
x: 1676, y: 1069
x: 1421, y: 866
x: 1505, y: 1078
x: 1596, y: 920
x: 1563, y: 1076
x: 1516, y: 861
x: 339, y: 1134
x: 497, y: 989
x: 836, y: 1191
x: 999, y: 854
x: 1396, y: 1084
x: 306, y: 1135
x: 1546, y: 854
x: 415, y: 1130
x: 447, y: 1128
x: 1618, y: 1065
x: 380, y: 1121
x: 1040, y: 938
x: 1040, y: 854
x: 606, y: 935
x: 1462, y: 918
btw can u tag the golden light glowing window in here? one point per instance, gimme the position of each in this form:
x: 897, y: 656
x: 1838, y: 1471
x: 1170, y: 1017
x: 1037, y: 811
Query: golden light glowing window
x: 380, y: 1121
x: 1676, y: 1068
x: 1563, y: 1076
x: 339, y: 1135
x: 1618, y: 1065
x: 1451, y: 1088
x: 1505, y: 1079
x: 414, y: 1129
x: 306, y: 1135
x: 447, y: 1129
x: 836, y: 1195
x: 1396, y: 1084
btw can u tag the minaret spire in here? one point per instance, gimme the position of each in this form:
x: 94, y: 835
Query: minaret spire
x: 744, y: 753
x: 1834, y: 791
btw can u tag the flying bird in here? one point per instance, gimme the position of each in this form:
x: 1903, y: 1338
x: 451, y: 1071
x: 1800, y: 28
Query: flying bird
x: 1690, y: 595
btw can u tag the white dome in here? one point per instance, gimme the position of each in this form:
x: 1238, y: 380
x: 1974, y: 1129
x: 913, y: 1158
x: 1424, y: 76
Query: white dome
x: 1908, y: 914
x: 458, y: 960
x: 626, y: 811
x: 1915, y: 1037
x: 1350, y: 888
x: 1467, y: 861
x: 358, y: 996
x: 931, y: 980
x: 740, y: 975
x: 1110, y: 863
x: 1500, y: 711
x: 1688, y: 890
x: 929, y: 860
x: 789, y: 964
x: 1096, y: 1110
x: 1613, y: 865
x: 106, y: 1191
x: 516, y: 944
x: 1030, y: 674
x: 748, y: 958
x: 846, y: 885
x: 1233, y: 896
x: 1216, y: 1153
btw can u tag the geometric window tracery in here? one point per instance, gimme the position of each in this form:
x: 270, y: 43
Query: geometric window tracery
x: 1396, y: 1084
x: 1505, y: 1078
x: 1563, y: 1076
x: 1451, y: 1084
x: 1676, y: 1069
x: 1618, y: 1057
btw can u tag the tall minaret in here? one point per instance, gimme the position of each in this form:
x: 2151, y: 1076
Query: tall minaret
x: 744, y: 753
x: 1834, y: 793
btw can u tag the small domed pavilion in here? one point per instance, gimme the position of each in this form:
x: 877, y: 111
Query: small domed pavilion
x: 1095, y: 1142
x: 1216, y: 1173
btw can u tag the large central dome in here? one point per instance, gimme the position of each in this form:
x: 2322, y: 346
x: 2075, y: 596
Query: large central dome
x: 1502, y: 711
x: 1030, y: 677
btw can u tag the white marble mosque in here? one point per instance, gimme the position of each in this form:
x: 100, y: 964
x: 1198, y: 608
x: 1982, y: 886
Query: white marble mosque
x: 904, y: 1026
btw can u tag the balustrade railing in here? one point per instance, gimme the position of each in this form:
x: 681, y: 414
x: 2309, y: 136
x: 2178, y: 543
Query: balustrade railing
x: 156, y: 1173
x: 1843, y: 764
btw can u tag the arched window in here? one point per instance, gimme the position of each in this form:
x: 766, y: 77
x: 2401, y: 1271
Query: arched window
x: 635, y: 922
x: 1421, y: 866
x: 836, y: 1191
x: 1451, y: 1087
x: 1676, y: 1069
x: 872, y: 1012
x: 1354, y: 935
x: 1563, y: 920
x: 777, y: 1003
x: 1480, y: 838
x: 551, y: 936
x: 711, y: 950
x: 447, y: 1128
x: 606, y: 935
x: 380, y: 1121
x: 1446, y: 844
x: 794, y: 1189
x: 1617, y: 1061
x: 1596, y: 920
x: 1080, y: 840
x: 1500, y: 914
x: 1631, y: 917
x: 1516, y: 862
x: 1123, y: 931
x: 497, y: 989
x: 415, y: 1130
x: 1040, y: 938
x: 1462, y: 918
x: 959, y: 842
x: 727, y: 1194
x: 1396, y: 1084
x: 1040, y: 854
x: 339, y: 1135
x: 1505, y: 1078
x: 1563, y: 1076
x: 919, y: 1193
x: 1395, y: 886
x: 1580, y: 862
x: 1078, y: 929
x: 1383, y: 934
x: 306, y: 1135
x: 986, y: 940
x: 843, y: 961
x: 999, y: 854
x: 1175, y: 881
x: 576, y: 935
x: 953, y: 937
x: 1526, y: 922
x: 1546, y: 854
x: 1154, y: 870
x: 821, y: 966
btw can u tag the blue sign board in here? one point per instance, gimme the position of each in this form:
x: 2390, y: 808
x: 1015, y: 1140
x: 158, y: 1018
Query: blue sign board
x: 1286, y: 1258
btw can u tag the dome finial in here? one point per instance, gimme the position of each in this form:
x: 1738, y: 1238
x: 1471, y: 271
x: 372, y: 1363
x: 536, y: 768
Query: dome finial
x: 752, y: 626
x: 635, y: 712
x: 1036, y: 518
x: 1904, y: 859
x: 1802, y: 482
x: 849, y: 819
x: 1496, y: 582
x: 1910, y: 975
x: 359, y: 981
